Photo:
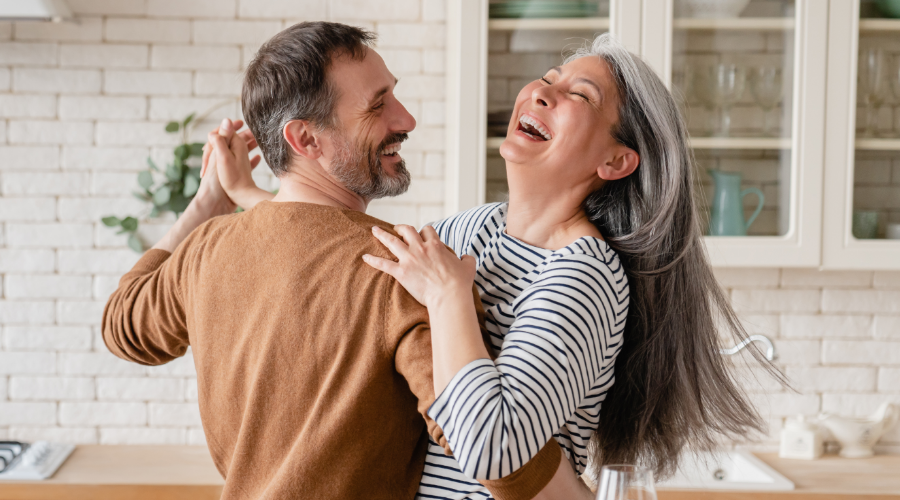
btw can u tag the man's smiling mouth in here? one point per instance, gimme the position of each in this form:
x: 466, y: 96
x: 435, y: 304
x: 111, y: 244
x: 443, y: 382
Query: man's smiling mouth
x: 530, y: 127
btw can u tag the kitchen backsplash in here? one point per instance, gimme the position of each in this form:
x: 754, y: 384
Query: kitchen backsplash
x: 83, y: 105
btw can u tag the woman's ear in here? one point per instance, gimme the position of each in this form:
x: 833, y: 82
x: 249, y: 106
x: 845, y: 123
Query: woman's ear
x: 622, y: 164
x: 303, y: 138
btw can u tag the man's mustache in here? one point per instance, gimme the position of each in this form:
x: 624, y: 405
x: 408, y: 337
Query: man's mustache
x: 392, y: 139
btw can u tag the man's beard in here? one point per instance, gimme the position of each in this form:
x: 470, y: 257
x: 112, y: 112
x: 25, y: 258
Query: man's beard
x: 358, y: 167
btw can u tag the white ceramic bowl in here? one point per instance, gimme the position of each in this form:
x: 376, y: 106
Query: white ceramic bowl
x: 709, y: 8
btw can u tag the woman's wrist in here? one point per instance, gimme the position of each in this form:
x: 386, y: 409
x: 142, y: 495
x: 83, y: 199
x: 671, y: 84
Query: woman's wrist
x: 449, y: 296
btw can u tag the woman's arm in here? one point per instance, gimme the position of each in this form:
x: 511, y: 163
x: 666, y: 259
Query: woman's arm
x: 456, y: 337
x: 233, y: 162
x: 496, y: 415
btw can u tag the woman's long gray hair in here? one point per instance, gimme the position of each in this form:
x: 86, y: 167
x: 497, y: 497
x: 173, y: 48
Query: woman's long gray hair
x: 672, y: 385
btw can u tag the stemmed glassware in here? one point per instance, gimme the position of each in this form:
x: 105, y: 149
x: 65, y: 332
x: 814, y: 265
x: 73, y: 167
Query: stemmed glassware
x: 765, y: 84
x: 626, y: 482
x: 894, y: 77
x: 723, y: 86
x: 872, y: 86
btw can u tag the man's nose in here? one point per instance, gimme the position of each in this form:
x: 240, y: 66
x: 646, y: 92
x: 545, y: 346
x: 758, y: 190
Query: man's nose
x: 401, y: 120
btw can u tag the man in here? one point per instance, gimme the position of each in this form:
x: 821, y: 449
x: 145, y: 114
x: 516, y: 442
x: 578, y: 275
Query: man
x: 313, y: 369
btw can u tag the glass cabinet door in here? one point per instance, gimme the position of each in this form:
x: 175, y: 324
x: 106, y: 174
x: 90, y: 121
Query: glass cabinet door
x: 862, y: 191
x: 525, y: 39
x: 749, y: 78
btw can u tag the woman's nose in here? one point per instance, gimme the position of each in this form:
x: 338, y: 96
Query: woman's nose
x: 541, y: 97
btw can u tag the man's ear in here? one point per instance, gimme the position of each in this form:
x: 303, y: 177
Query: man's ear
x: 621, y: 165
x: 303, y: 138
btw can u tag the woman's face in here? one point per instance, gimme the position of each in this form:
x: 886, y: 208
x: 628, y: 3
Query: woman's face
x: 560, y: 128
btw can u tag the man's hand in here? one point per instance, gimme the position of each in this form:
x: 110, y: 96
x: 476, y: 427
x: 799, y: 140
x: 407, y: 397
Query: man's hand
x: 231, y: 150
x: 210, y: 201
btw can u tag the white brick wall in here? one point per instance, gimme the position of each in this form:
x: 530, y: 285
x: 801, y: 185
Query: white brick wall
x: 82, y: 106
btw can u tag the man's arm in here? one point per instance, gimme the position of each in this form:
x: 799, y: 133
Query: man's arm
x: 144, y: 319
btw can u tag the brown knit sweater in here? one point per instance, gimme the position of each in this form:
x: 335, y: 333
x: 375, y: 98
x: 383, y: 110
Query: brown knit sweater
x: 313, y: 369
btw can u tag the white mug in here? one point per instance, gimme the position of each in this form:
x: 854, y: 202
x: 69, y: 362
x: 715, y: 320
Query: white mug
x: 893, y: 231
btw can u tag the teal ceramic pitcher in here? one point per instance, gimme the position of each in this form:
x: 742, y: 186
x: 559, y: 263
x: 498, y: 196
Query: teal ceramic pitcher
x: 727, y: 218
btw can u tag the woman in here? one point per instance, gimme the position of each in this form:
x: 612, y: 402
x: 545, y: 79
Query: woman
x: 595, y: 285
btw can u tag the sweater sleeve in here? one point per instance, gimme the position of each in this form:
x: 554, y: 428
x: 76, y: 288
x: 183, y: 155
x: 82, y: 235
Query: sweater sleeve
x: 497, y: 414
x: 144, y: 319
x: 413, y: 360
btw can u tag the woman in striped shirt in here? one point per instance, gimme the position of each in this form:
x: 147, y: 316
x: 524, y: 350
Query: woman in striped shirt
x: 594, y: 270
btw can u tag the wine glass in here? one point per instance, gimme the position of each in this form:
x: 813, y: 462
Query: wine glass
x: 724, y: 87
x: 894, y: 77
x: 765, y: 84
x: 871, y: 86
x: 626, y: 482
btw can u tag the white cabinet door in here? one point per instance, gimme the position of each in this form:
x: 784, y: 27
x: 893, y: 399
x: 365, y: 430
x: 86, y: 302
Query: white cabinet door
x: 773, y: 136
x: 862, y: 153
x: 752, y: 87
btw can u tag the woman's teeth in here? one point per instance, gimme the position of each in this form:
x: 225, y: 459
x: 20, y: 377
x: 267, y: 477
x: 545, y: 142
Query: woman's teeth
x: 530, y: 123
x: 391, y: 150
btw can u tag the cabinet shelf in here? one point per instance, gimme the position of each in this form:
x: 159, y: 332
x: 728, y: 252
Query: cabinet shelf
x: 721, y: 143
x: 576, y: 23
x: 866, y: 25
x: 740, y: 142
x: 878, y: 144
x: 735, y: 23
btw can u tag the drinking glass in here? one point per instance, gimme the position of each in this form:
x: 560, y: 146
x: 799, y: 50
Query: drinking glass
x: 894, y: 77
x: 765, y: 84
x: 626, y: 482
x: 871, y: 86
x: 724, y: 87
x: 683, y: 86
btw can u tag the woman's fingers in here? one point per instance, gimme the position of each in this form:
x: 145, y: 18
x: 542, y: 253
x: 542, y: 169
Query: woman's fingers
x: 255, y: 161
x: 248, y: 138
x: 384, y: 265
x: 429, y: 234
x: 393, y: 243
x: 409, y: 234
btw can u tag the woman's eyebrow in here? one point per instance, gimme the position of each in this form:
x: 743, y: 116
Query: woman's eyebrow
x: 592, y: 84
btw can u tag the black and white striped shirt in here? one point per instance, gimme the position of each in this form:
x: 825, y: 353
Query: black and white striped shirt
x: 556, y: 321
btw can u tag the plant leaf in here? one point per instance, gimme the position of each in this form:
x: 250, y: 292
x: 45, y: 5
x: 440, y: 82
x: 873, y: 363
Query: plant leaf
x: 187, y: 120
x: 152, y: 164
x: 129, y: 224
x: 194, y: 172
x: 111, y: 221
x: 162, y: 196
x: 191, y: 185
x: 141, y: 196
x: 154, y: 212
x: 173, y: 173
x: 197, y: 149
x: 145, y: 179
x: 183, y: 151
x: 173, y: 127
x: 178, y: 203
x: 135, y: 243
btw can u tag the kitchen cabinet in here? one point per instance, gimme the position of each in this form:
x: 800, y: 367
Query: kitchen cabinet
x: 753, y: 89
x: 862, y: 159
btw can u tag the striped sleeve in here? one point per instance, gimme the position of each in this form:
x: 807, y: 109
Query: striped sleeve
x: 458, y: 231
x: 496, y: 415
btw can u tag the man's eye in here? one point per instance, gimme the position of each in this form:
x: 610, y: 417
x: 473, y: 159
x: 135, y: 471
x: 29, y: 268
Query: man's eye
x: 545, y: 80
x: 378, y: 106
x: 579, y: 94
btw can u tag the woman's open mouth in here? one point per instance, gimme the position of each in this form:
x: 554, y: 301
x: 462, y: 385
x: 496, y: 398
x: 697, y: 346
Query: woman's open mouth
x: 533, y: 129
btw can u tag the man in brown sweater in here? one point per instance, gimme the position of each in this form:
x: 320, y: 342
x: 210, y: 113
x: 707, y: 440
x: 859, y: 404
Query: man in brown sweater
x: 313, y: 369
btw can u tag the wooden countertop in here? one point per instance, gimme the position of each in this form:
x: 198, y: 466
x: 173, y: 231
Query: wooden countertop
x: 187, y: 473
x: 96, y: 472
x: 829, y: 478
